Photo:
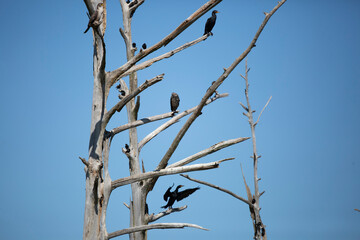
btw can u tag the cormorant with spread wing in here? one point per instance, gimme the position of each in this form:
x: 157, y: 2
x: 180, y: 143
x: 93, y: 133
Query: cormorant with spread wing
x: 176, y: 195
x: 210, y: 23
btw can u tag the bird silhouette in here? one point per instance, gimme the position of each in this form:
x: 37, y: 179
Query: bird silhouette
x: 174, y: 102
x: 176, y: 195
x: 210, y: 23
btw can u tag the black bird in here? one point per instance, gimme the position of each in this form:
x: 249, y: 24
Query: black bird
x: 95, y: 18
x: 176, y: 195
x: 210, y: 23
x: 144, y: 46
x: 174, y: 102
x: 134, y: 45
x: 127, y: 148
x: 127, y: 1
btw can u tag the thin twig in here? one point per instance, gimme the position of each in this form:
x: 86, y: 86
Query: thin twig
x: 86, y: 163
x: 262, y: 111
x: 218, y: 188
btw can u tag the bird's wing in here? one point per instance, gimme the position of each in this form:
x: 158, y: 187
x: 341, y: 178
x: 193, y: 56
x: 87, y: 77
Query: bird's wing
x: 167, y: 194
x: 183, y: 194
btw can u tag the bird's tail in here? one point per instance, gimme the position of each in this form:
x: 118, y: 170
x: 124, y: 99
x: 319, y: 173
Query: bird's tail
x: 164, y: 206
x: 87, y: 29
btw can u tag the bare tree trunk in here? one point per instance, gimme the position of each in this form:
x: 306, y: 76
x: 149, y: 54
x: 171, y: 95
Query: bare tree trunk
x: 138, y: 202
x: 94, y: 166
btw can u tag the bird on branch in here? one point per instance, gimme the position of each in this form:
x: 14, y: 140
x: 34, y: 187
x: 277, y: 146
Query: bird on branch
x: 176, y: 195
x: 210, y: 23
x: 96, y: 17
x: 174, y: 102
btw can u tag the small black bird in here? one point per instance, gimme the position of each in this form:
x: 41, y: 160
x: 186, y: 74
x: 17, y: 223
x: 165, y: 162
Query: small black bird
x: 210, y: 23
x: 127, y: 1
x: 174, y: 102
x: 96, y: 17
x: 127, y: 148
x: 144, y: 46
x: 134, y: 45
x: 176, y: 195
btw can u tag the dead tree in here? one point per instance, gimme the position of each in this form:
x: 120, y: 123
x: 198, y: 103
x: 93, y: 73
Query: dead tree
x: 99, y: 185
x: 253, y: 200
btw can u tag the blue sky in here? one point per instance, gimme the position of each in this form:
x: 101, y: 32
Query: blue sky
x: 307, y: 59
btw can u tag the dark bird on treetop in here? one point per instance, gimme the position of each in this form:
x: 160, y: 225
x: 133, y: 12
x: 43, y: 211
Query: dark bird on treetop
x: 174, y: 102
x: 210, y: 23
x: 96, y: 17
x: 134, y: 45
x: 144, y: 46
x: 176, y: 195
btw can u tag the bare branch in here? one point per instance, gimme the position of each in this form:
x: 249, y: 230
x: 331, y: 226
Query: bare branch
x: 114, y: 75
x: 127, y: 98
x: 248, y: 191
x: 86, y: 163
x: 153, y: 226
x: 211, y: 90
x: 175, y: 120
x: 149, y: 62
x: 218, y: 188
x: 153, y: 218
x: 244, y: 107
x: 262, y: 111
x: 214, y: 148
x: 134, y: 5
x: 126, y: 205
x: 168, y: 171
x: 141, y: 122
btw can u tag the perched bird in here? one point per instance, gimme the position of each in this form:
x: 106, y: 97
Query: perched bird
x: 176, y: 195
x: 127, y: 1
x: 96, y: 17
x: 174, y: 102
x: 210, y: 23
x: 144, y: 46
x: 127, y: 148
x: 134, y: 45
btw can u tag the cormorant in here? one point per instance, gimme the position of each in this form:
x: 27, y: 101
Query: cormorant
x: 210, y: 23
x: 176, y: 195
x: 95, y: 18
x: 144, y: 46
x: 174, y: 102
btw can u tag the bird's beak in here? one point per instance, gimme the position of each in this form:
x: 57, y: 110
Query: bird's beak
x: 217, y: 12
x: 181, y: 185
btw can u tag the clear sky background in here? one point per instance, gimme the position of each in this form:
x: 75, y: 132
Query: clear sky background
x: 307, y: 59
